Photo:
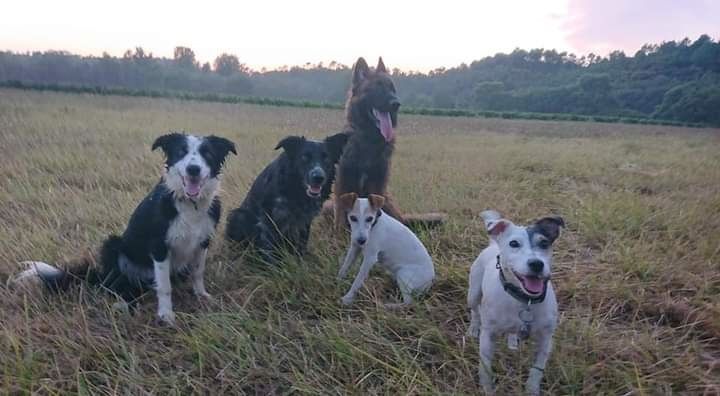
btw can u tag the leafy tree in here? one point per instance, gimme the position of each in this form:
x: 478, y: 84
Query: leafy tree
x: 185, y: 58
x: 227, y: 65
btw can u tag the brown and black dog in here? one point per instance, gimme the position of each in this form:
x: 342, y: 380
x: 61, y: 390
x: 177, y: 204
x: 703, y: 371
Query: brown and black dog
x: 364, y: 167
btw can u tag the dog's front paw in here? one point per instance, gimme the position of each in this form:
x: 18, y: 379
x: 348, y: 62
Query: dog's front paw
x: 532, y: 386
x: 532, y: 390
x: 167, y: 318
x: 474, y: 330
x: 347, y: 299
x: 203, y: 295
x: 489, y: 390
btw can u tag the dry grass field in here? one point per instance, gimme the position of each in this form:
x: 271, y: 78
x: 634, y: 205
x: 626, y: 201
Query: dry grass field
x: 637, y: 269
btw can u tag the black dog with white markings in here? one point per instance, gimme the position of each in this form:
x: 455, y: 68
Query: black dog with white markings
x: 285, y: 198
x: 168, y: 234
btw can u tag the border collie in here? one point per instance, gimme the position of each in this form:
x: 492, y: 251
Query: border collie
x: 287, y: 195
x: 168, y: 234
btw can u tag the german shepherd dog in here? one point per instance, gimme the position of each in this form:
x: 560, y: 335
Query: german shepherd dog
x: 285, y: 198
x: 364, y: 169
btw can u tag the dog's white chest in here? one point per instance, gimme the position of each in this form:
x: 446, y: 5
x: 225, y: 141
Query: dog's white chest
x: 187, y: 232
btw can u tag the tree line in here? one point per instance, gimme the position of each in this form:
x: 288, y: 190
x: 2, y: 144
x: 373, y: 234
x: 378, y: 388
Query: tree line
x: 674, y: 80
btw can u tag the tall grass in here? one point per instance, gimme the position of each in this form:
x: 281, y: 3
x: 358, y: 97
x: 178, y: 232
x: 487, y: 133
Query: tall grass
x: 636, y: 269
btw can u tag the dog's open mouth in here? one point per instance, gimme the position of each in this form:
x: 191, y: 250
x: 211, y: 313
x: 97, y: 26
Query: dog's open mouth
x: 384, y: 122
x: 313, y: 191
x: 533, y: 285
x: 193, y: 186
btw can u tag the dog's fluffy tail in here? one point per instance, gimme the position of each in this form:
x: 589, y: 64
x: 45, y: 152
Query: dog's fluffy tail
x: 54, y: 278
x: 60, y: 278
x: 424, y: 220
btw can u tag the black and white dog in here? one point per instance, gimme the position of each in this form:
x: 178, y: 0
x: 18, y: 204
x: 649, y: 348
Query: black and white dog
x: 287, y: 195
x: 168, y: 234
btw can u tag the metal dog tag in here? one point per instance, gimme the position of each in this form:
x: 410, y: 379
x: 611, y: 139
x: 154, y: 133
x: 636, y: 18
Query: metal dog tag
x: 512, y: 341
x: 524, y: 331
x: 526, y: 317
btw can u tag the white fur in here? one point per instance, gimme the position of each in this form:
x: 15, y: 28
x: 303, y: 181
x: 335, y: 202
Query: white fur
x: 494, y: 312
x: 163, y: 288
x: 32, y: 273
x: 390, y: 244
x: 187, y: 232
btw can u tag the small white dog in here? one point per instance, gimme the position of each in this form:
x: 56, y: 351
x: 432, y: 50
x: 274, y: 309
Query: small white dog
x: 385, y: 241
x: 510, y: 292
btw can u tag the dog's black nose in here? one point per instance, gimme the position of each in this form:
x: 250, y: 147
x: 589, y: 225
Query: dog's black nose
x: 361, y: 240
x: 536, y: 265
x: 317, y: 177
x: 193, y: 170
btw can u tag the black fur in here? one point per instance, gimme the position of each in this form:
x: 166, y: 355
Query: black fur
x: 549, y: 227
x: 278, y: 210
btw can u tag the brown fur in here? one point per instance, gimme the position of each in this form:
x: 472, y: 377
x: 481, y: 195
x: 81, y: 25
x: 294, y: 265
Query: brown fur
x: 376, y: 201
x: 364, y: 168
x: 347, y: 201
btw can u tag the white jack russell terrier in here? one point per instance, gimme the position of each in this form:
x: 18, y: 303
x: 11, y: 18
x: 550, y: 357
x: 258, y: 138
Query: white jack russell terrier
x: 385, y: 241
x: 510, y: 292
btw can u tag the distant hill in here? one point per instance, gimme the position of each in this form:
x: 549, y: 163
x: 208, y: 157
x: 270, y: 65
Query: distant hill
x: 673, y: 80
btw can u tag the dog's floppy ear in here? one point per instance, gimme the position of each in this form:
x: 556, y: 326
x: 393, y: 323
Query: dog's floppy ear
x: 347, y: 201
x: 166, y: 142
x: 550, y: 227
x: 376, y: 201
x: 335, y: 145
x: 360, y: 71
x: 494, y: 223
x: 380, y: 66
x: 221, y: 146
x: 291, y: 143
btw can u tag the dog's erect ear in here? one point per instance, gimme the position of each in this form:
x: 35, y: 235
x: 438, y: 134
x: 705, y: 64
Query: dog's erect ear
x: 291, y: 143
x: 494, y: 223
x: 550, y: 227
x: 360, y: 71
x: 347, y: 201
x: 376, y: 201
x: 380, y: 66
x: 335, y: 145
x: 166, y: 142
x: 220, y: 146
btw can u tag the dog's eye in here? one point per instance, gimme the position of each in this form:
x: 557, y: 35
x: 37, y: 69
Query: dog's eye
x: 353, y: 219
x: 514, y: 244
x: 544, y: 244
x: 369, y: 219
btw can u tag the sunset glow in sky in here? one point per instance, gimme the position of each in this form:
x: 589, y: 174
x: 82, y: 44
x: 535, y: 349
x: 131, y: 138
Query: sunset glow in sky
x: 417, y: 35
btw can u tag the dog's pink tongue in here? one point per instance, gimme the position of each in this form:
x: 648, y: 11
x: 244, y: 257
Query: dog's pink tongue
x: 533, y: 285
x: 192, y: 189
x: 386, y: 127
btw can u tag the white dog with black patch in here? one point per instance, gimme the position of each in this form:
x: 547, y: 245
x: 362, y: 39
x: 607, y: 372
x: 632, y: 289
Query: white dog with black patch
x: 385, y: 241
x: 510, y: 292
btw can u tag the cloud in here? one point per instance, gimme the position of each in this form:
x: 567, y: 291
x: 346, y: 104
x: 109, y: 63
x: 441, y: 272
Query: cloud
x: 602, y: 26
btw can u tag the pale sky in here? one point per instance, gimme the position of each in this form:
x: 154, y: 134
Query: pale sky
x: 411, y: 35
